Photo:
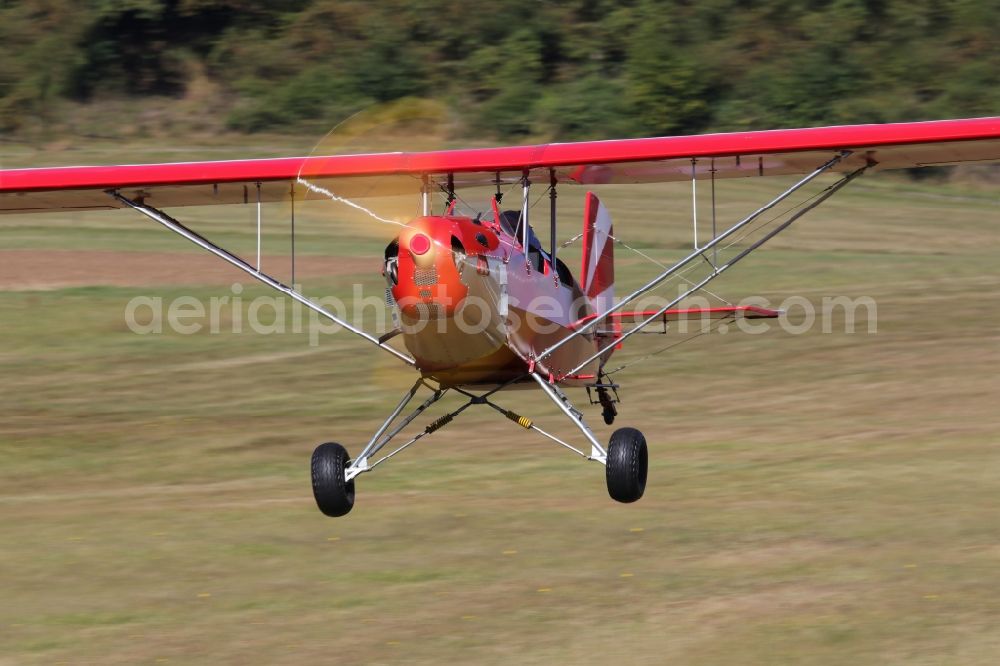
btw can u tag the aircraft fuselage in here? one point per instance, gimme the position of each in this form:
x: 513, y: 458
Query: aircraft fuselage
x: 475, y: 309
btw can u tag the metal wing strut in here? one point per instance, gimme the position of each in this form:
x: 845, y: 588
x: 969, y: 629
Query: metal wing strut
x: 699, y: 252
x: 254, y: 272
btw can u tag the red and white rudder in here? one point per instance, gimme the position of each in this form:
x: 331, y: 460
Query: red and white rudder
x: 598, y: 274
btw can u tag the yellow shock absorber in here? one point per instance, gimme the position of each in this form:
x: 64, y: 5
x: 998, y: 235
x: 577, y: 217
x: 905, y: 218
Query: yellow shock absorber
x: 440, y: 423
x: 522, y: 421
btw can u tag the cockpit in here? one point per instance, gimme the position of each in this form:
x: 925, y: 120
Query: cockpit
x: 510, y: 222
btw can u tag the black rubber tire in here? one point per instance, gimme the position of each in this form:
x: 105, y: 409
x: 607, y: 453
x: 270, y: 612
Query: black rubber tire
x: 628, y: 462
x: 334, y: 496
x: 609, y: 415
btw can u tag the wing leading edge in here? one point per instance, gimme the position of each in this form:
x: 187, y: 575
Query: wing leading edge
x: 663, y: 159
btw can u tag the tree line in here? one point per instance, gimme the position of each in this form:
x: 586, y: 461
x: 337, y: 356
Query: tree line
x: 565, y: 69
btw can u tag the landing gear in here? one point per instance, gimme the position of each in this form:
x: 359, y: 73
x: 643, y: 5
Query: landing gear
x: 608, y: 411
x: 333, y: 492
x: 333, y: 471
x: 607, y: 396
x: 628, y: 461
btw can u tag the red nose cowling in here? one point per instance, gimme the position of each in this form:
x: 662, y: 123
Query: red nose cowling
x: 430, y: 250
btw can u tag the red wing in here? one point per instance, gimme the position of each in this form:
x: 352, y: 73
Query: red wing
x: 775, y: 152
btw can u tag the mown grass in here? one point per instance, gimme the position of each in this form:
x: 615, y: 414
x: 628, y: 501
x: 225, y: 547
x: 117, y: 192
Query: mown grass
x: 814, y: 499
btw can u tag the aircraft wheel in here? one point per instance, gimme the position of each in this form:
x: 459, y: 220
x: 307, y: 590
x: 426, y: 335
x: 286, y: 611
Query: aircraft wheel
x: 628, y: 461
x: 334, y: 496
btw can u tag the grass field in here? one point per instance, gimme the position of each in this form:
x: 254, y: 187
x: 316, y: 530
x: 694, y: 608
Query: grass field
x: 823, y: 498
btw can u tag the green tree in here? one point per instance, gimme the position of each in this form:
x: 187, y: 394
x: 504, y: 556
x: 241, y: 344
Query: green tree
x: 666, y: 89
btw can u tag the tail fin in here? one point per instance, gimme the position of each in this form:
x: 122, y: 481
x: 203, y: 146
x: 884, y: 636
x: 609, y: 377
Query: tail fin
x: 598, y: 275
